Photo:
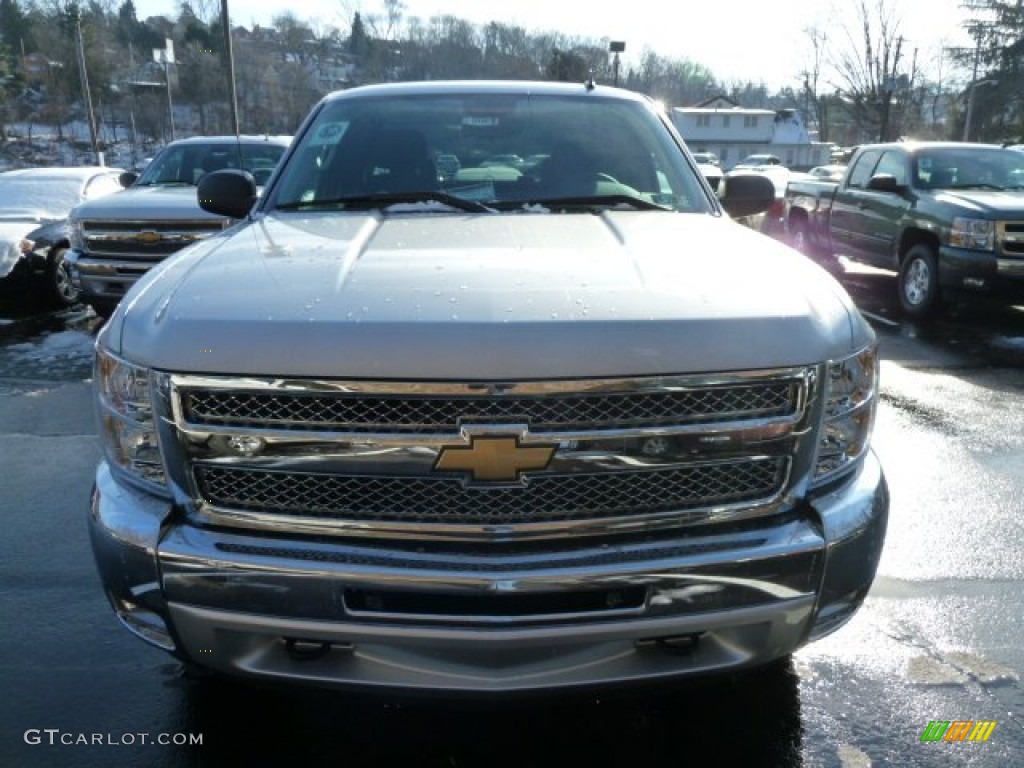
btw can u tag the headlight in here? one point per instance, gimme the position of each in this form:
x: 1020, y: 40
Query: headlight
x: 126, y: 421
x: 851, y: 395
x: 978, y: 234
x: 76, y: 237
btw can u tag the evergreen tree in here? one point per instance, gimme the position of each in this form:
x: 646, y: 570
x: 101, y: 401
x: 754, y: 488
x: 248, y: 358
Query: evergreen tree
x: 358, y: 41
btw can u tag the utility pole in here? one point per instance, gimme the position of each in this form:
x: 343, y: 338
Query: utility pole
x: 229, y: 58
x: 86, y: 96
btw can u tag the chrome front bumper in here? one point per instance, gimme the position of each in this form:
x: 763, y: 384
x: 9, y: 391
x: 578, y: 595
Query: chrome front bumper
x: 104, y: 278
x: 335, y: 613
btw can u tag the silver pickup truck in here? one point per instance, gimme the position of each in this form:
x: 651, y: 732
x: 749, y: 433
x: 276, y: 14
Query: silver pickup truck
x: 546, y: 419
x: 115, y: 241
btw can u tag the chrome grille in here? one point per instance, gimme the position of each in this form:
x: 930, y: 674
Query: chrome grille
x: 1010, y: 235
x: 362, y: 413
x: 361, y: 458
x: 545, y: 499
x: 145, y: 240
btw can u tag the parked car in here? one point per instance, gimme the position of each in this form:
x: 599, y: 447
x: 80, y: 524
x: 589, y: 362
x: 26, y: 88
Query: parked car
x: 771, y: 221
x: 827, y: 172
x: 518, y: 432
x: 34, y: 232
x: 705, y: 158
x: 948, y: 217
x: 115, y: 241
x: 757, y: 162
x: 707, y: 162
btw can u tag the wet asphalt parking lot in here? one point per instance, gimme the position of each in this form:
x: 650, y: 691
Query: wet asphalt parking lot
x: 939, y: 637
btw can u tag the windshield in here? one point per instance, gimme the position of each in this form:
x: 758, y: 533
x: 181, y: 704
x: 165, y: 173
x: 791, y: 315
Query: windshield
x: 187, y: 163
x: 969, y: 167
x: 51, y: 197
x: 500, y: 151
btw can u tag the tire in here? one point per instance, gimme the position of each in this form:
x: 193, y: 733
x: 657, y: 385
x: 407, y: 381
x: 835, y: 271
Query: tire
x: 58, y: 289
x: 920, y: 294
x: 103, y: 307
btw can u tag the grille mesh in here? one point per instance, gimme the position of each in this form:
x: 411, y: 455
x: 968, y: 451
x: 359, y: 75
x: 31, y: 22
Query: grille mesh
x: 302, y: 411
x: 545, y: 499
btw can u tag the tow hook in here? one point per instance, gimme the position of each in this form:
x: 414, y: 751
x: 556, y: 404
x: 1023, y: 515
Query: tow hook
x: 308, y: 650
x: 678, y: 645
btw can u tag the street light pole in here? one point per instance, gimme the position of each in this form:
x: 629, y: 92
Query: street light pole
x: 616, y: 47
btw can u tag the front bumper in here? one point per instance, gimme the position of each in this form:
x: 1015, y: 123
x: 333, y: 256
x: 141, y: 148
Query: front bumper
x: 335, y: 613
x: 105, y: 278
x: 962, y: 269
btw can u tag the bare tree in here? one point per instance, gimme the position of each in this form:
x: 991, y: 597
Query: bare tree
x: 672, y: 81
x: 811, y: 98
x: 393, y: 11
x: 873, y: 72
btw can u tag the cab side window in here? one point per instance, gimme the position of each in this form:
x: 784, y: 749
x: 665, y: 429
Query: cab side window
x: 863, y: 169
x: 894, y: 164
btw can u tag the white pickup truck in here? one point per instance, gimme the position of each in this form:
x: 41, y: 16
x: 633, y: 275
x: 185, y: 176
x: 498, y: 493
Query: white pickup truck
x: 545, y: 420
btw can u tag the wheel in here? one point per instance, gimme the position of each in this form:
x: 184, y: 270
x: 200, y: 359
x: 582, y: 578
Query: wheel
x: 920, y: 295
x: 58, y: 288
x: 798, y: 236
x: 801, y: 241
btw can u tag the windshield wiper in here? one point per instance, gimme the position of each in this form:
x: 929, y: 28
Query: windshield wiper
x: 591, y: 202
x: 384, y: 199
x: 164, y: 184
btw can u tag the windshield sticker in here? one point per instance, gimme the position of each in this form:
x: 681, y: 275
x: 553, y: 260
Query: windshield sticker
x: 480, y: 122
x: 328, y: 134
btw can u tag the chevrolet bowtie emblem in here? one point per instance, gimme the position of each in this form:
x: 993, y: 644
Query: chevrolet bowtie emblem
x: 494, y: 458
x: 148, y: 236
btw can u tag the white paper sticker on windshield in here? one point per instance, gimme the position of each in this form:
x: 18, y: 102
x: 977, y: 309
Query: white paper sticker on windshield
x: 480, y: 122
x: 328, y: 134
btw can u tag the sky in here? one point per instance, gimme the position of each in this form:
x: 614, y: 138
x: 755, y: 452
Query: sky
x: 738, y: 40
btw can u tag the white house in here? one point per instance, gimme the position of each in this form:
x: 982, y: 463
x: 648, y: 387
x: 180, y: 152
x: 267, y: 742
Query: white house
x: 732, y: 132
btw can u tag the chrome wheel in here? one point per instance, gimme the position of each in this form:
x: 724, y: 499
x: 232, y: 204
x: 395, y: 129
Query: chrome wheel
x: 915, y: 287
x: 919, y: 282
x: 60, y: 280
x: 799, y: 238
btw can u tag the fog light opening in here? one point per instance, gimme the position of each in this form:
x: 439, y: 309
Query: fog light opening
x: 143, y: 623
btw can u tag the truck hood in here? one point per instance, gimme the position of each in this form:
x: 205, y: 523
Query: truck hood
x: 145, y: 203
x: 469, y: 297
x: 992, y: 202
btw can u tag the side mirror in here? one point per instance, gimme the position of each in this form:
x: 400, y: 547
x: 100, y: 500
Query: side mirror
x: 127, y: 178
x: 228, y: 192
x: 746, y: 194
x: 884, y: 182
